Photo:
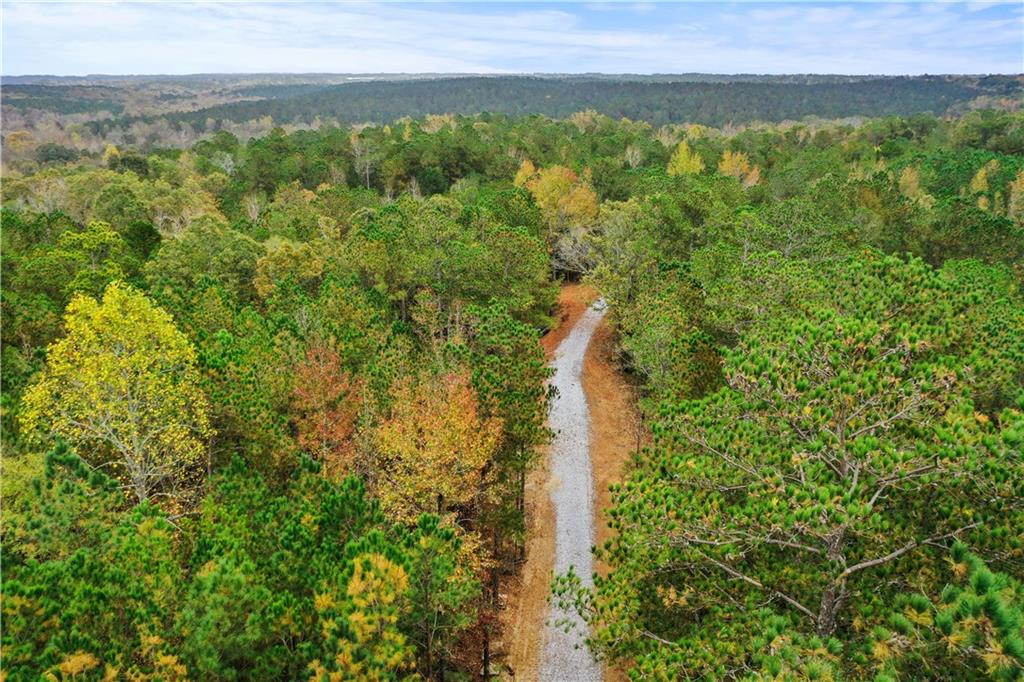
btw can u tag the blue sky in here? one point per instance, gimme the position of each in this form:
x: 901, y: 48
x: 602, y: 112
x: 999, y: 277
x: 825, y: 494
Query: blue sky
x: 749, y: 37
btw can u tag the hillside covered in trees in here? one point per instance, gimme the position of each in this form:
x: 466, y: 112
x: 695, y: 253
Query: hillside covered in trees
x: 83, y: 114
x: 269, y: 404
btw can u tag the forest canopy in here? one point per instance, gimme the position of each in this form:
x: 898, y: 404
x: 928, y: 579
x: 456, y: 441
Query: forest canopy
x: 86, y: 113
x: 270, y: 402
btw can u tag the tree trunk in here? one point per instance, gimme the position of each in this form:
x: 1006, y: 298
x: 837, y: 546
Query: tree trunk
x: 495, y: 579
x: 487, y: 651
x: 493, y: 602
x: 521, y: 508
x: 831, y: 603
x: 833, y: 596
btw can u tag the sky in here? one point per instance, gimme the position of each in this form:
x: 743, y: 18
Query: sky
x: 853, y: 37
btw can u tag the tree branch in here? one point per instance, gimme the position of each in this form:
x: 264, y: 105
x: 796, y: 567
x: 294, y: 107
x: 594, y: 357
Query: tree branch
x: 897, y: 553
x: 758, y: 584
x: 892, y: 480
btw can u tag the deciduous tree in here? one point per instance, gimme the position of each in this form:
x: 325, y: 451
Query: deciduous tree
x: 326, y: 400
x: 123, y: 386
x: 684, y: 161
x: 434, y: 451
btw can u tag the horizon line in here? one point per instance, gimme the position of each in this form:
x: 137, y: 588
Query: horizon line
x: 500, y: 74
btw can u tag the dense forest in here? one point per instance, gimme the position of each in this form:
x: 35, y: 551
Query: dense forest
x: 84, y: 114
x: 657, y: 103
x: 269, y: 404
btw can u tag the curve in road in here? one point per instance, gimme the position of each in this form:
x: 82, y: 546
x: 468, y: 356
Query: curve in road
x: 564, y: 657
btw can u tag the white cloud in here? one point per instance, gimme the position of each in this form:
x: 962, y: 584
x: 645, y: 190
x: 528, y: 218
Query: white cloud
x: 181, y: 37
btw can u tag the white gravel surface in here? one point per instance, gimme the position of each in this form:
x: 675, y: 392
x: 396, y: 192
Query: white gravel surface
x: 564, y: 657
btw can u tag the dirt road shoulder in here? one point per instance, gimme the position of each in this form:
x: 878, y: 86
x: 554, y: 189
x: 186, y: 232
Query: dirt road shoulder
x: 523, y: 620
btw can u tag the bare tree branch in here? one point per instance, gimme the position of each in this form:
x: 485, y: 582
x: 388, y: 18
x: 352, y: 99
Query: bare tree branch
x: 758, y: 584
x: 897, y: 553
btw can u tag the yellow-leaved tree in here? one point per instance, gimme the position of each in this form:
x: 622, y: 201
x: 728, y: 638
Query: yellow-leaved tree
x: 123, y: 388
x: 737, y: 164
x: 979, y: 183
x: 1015, y: 206
x: 525, y: 173
x: 287, y: 259
x: 684, y: 161
x: 563, y: 197
x: 434, y: 449
x: 569, y: 205
x: 910, y: 187
x: 110, y: 155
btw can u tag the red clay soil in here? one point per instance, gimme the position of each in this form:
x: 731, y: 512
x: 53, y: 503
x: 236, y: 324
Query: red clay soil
x: 527, y: 593
x: 616, y: 432
x: 573, y: 300
x: 614, y: 425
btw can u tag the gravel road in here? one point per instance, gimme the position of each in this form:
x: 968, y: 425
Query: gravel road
x: 573, y: 497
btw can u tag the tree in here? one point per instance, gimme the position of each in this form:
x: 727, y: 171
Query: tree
x: 508, y: 372
x: 524, y: 173
x: 276, y: 584
x: 365, y: 156
x: 1015, y: 205
x: 50, y: 152
x: 252, y: 204
x: 377, y: 248
x: 684, y: 161
x: 89, y: 587
x: 569, y: 206
x: 659, y: 309
x: 284, y: 261
x: 634, y: 155
x: 96, y: 256
x: 737, y: 165
x: 973, y: 627
x: 442, y: 591
x: 220, y: 620
x: 123, y: 387
x: 511, y: 269
x: 910, y: 187
x: 121, y: 203
x: 111, y: 155
x: 249, y: 377
x: 434, y: 450
x: 980, y: 182
x: 291, y: 215
x: 515, y: 207
x: 564, y: 198
x: 412, y: 246
x: 371, y: 647
x: 208, y: 251
x: 81, y: 262
x: 327, y: 402
x: 842, y: 450
x: 333, y: 587
x: 20, y: 143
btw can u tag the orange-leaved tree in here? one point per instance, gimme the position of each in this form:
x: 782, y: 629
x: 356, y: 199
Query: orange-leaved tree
x: 326, y: 401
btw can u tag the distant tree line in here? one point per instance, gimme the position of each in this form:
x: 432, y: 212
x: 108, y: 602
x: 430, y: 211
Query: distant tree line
x: 657, y: 103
